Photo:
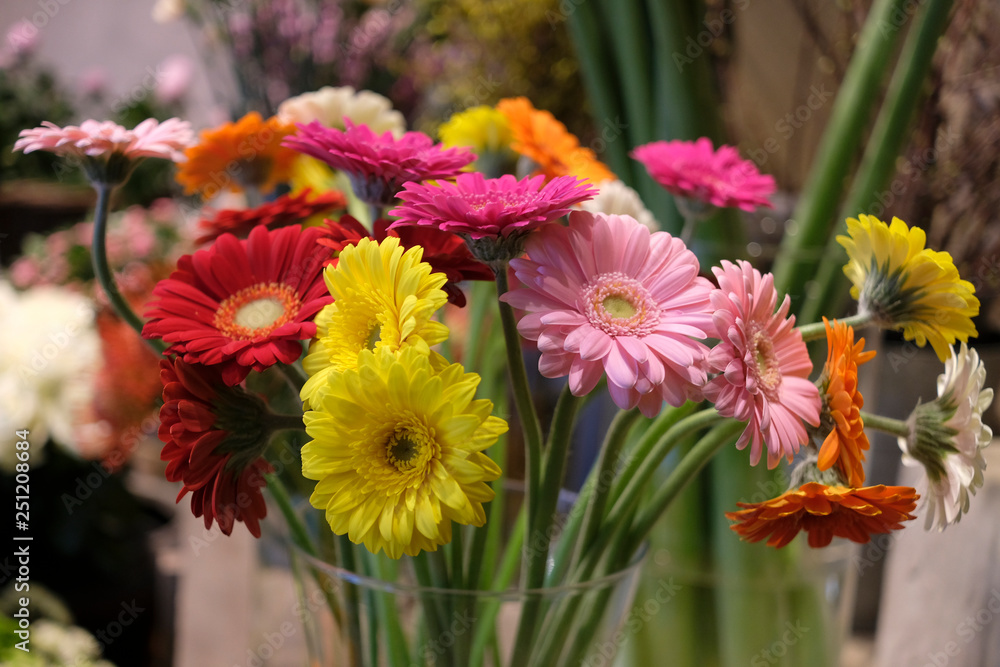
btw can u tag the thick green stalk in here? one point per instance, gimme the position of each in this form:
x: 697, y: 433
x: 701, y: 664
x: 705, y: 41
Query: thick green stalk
x: 300, y: 536
x: 888, y: 138
x: 102, y: 271
x: 799, y: 254
x: 390, y: 625
x: 430, y: 602
x: 353, y: 612
x: 485, y: 631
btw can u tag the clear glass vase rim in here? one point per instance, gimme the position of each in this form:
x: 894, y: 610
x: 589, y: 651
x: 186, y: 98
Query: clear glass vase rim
x: 506, y: 594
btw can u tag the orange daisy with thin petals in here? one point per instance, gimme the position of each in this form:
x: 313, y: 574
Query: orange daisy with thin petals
x: 237, y: 156
x: 539, y: 136
x: 846, y: 443
x: 825, y: 512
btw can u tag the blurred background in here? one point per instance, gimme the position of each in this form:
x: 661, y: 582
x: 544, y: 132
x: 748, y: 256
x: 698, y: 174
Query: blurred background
x: 120, y: 567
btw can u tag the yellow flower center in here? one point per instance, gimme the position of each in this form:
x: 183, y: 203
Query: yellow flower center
x: 257, y: 310
x: 618, y: 306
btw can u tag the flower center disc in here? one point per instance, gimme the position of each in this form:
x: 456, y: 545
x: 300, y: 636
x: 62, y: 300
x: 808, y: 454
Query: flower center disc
x: 257, y: 310
x: 766, y: 363
x: 619, y: 305
x: 404, y: 450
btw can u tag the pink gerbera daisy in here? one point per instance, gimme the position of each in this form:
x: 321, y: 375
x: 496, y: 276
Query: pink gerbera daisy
x: 378, y: 165
x: 692, y: 169
x: 475, y: 206
x: 762, y: 362
x: 243, y: 304
x: 604, y: 295
x: 92, y: 138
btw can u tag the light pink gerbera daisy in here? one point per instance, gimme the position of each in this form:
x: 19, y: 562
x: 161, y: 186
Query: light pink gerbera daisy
x: 378, y: 165
x: 604, y: 295
x: 693, y: 169
x: 92, y: 138
x: 475, y: 206
x: 762, y: 362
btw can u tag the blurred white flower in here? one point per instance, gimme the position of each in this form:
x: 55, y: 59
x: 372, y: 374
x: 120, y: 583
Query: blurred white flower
x: 947, y: 437
x: 49, y: 355
x: 616, y: 198
x: 330, y: 106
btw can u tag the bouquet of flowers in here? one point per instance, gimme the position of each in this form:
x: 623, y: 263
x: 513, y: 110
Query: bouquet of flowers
x: 328, y: 335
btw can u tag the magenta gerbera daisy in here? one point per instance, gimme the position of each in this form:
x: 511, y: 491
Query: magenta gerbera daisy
x: 475, y: 206
x: 604, y: 295
x: 693, y: 169
x: 243, y: 304
x: 762, y: 364
x: 378, y: 165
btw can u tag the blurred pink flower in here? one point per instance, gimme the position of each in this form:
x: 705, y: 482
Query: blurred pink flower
x: 22, y: 38
x: 92, y: 138
x: 604, y: 295
x: 762, y: 363
x: 25, y: 272
x: 475, y: 206
x: 174, y: 79
x: 378, y: 165
x: 93, y: 82
x: 694, y: 170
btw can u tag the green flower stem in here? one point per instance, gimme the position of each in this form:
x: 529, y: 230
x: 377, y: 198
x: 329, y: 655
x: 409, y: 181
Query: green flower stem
x: 817, y: 330
x: 277, y: 422
x: 300, y: 536
x: 844, y: 134
x: 486, y: 617
x: 99, y: 258
x: 568, y: 538
x: 399, y: 655
x: 530, y: 426
x: 888, y: 137
x: 346, y: 551
x: 699, y: 456
x: 607, y: 460
x: 537, y: 549
x: 886, y: 424
x: 635, y: 484
x: 430, y: 602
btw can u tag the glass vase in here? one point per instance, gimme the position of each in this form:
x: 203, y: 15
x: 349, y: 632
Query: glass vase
x: 375, y: 613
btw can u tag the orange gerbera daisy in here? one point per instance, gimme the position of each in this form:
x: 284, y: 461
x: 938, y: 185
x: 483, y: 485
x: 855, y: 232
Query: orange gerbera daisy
x: 237, y: 156
x: 846, y: 443
x: 825, y: 512
x: 539, y: 136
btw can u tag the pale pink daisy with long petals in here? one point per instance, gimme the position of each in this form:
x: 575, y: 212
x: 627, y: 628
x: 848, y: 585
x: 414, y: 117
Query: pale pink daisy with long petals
x: 378, y: 165
x: 693, y: 169
x: 604, y: 295
x: 762, y: 362
x: 475, y: 206
x: 92, y: 138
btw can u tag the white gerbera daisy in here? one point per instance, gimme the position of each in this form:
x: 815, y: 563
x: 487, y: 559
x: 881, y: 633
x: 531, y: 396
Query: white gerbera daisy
x: 947, y: 437
x: 330, y: 106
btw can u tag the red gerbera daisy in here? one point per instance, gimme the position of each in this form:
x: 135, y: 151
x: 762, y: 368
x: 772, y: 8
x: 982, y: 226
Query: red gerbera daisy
x: 243, y: 304
x: 283, y: 211
x: 446, y: 253
x: 214, y: 437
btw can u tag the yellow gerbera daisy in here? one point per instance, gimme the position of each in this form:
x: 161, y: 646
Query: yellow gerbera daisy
x: 482, y: 128
x: 397, y: 452
x: 237, y: 156
x: 908, y: 287
x: 383, y: 298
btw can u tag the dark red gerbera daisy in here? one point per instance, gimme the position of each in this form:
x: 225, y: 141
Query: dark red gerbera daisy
x: 447, y: 253
x: 214, y: 437
x: 243, y: 304
x: 284, y: 211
